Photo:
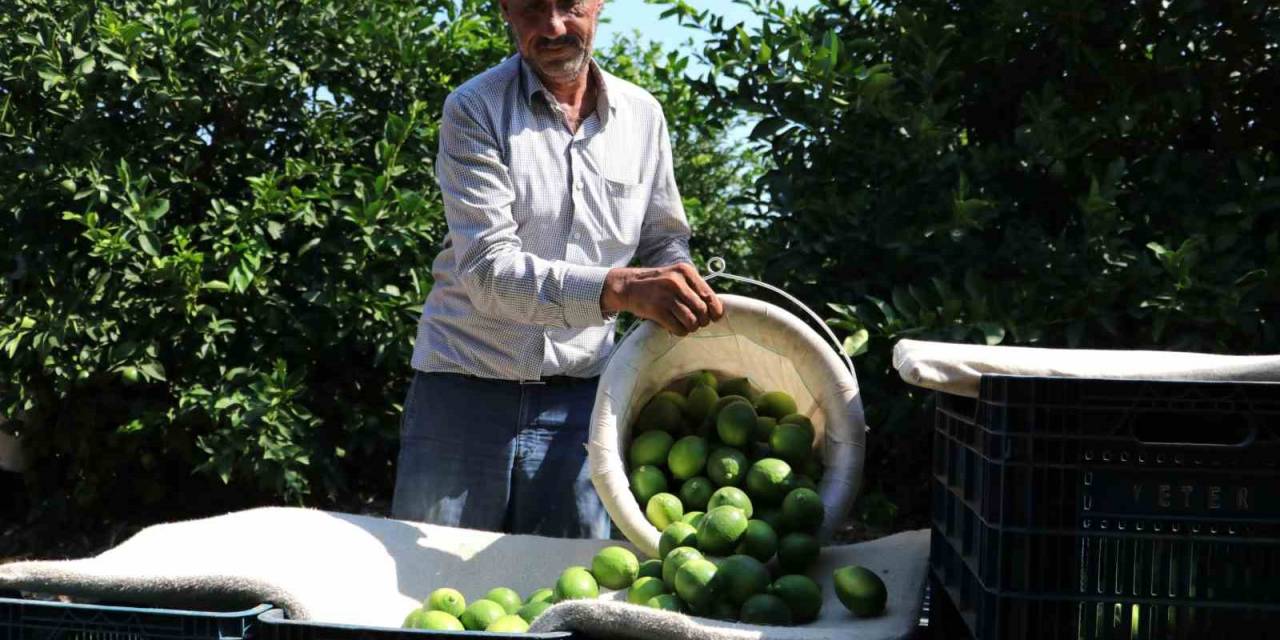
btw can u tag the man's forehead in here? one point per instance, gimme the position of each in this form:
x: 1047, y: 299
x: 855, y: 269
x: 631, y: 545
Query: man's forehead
x: 534, y: 4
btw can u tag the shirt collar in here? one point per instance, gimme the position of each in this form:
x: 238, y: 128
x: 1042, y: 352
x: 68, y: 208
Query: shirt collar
x: 531, y: 86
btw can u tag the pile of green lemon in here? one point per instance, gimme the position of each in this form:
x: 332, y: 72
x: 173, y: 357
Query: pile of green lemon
x: 728, y: 474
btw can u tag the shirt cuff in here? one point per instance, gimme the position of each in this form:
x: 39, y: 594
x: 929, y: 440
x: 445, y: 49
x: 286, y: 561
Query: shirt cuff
x: 582, y: 288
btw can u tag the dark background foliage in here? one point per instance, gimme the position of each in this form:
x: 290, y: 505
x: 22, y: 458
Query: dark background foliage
x: 1083, y: 173
x: 217, y: 218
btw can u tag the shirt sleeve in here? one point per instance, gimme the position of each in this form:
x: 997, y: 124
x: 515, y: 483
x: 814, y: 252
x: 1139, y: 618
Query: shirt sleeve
x: 502, y: 279
x: 664, y: 234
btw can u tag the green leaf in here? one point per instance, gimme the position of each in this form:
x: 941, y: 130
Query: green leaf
x: 767, y: 127
x: 152, y: 371
x: 149, y: 243
x: 856, y: 344
x: 158, y: 209
x: 311, y: 244
x: 992, y: 332
x: 764, y: 53
x: 885, y: 308
x: 902, y: 302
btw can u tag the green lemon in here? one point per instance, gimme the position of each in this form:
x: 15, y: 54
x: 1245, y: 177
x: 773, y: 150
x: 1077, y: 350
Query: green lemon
x: 736, y: 387
x: 671, y: 563
x: 776, y: 404
x: 742, y: 576
x: 733, y: 497
x: 792, y: 443
x: 736, y: 424
x: 532, y: 610
x: 802, y: 510
x: 541, y: 595
x: 696, y: 582
x: 687, y: 458
x: 709, y: 423
x: 663, y: 509
x: 646, y: 482
x: 695, y: 492
x: 802, y: 595
x: 414, y: 619
x: 650, y: 447
x: 644, y: 588
x: 860, y: 590
x: 800, y: 419
x: 480, y: 614
x: 797, y: 552
x: 661, y: 413
x: 651, y: 568
x: 576, y: 583
x: 440, y: 621
x: 727, y: 467
x: 768, y: 481
x: 615, y: 567
x: 721, y: 530
x: 702, y: 379
x: 699, y: 403
x: 760, y: 541
x: 510, y: 623
x: 677, y: 534
x: 447, y: 600
x: 508, y: 598
x: 666, y: 602
x: 765, y: 608
x: 694, y: 518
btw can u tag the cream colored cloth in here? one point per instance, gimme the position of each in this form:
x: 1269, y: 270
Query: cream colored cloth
x: 956, y: 368
x: 362, y: 570
x: 777, y: 352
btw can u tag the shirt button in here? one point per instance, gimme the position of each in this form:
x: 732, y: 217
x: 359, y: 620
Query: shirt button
x: 578, y: 185
x: 577, y: 235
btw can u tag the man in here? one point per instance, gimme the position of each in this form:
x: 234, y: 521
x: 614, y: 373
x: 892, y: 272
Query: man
x: 555, y: 176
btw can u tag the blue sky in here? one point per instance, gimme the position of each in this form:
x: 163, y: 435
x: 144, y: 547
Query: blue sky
x: 629, y: 15
x: 626, y: 16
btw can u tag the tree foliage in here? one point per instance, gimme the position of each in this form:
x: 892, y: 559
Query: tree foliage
x: 217, y: 220
x: 1082, y: 173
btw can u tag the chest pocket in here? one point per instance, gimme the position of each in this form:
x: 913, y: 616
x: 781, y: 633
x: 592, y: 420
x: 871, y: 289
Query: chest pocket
x: 626, y: 195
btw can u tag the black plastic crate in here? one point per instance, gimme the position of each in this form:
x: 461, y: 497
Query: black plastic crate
x: 1101, y: 509
x: 274, y: 625
x: 41, y: 620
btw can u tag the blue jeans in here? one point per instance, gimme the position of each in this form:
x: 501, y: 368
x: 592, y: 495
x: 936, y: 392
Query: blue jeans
x: 498, y: 455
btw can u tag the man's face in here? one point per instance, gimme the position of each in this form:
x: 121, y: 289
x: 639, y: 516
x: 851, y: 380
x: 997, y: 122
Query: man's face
x: 555, y: 36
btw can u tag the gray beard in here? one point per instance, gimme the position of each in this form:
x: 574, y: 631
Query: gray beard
x: 568, y: 69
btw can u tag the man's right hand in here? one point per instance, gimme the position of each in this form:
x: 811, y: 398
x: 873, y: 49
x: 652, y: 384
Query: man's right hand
x: 675, y: 297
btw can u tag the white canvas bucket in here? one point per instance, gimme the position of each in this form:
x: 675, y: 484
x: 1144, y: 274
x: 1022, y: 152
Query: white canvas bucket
x: 757, y: 340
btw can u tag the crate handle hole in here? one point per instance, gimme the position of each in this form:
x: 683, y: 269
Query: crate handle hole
x: 1194, y: 429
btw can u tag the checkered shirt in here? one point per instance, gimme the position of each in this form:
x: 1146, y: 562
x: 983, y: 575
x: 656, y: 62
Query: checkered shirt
x: 537, y: 216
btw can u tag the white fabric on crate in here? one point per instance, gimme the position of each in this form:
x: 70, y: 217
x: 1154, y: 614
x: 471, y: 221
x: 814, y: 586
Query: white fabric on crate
x: 956, y: 368
x: 363, y: 570
x: 755, y: 339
